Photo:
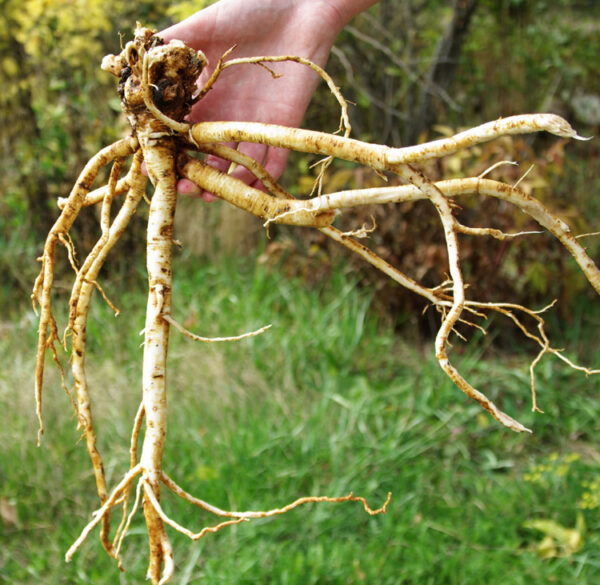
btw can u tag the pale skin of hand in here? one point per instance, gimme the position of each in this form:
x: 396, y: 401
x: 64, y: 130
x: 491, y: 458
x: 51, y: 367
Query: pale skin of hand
x: 305, y: 28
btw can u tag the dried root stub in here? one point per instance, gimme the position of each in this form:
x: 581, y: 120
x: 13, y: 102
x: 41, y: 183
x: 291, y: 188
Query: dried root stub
x: 157, y: 85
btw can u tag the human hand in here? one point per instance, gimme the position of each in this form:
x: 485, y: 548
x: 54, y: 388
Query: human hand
x: 306, y: 28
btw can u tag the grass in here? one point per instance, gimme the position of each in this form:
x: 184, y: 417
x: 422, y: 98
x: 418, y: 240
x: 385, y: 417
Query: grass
x: 326, y: 402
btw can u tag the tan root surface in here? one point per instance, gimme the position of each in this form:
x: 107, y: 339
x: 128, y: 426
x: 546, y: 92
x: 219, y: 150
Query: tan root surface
x: 157, y: 85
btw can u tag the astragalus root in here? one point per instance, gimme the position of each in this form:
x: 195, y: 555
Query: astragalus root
x: 157, y: 88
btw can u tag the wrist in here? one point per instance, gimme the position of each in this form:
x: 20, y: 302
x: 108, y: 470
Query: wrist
x: 319, y: 22
x: 348, y: 9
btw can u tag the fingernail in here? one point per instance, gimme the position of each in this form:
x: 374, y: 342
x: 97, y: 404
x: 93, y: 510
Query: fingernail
x: 186, y: 187
x: 208, y: 197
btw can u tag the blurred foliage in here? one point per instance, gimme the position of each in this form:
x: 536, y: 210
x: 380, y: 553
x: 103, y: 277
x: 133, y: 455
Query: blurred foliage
x: 180, y: 10
x: 513, y: 56
x: 59, y: 109
x: 518, y: 56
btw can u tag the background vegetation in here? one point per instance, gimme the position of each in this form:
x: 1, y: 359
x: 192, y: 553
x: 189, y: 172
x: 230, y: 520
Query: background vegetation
x: 413, y: 69
x: 325, y: 402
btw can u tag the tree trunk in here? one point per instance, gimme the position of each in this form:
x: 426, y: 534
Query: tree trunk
x: 443, y: 68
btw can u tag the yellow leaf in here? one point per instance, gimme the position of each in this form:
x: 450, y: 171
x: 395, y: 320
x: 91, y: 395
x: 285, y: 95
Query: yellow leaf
x: 10, y: 67
x: 558, y: 540
x: 341, y: 179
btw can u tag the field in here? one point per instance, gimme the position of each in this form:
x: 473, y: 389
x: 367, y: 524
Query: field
x: 331, y: 399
